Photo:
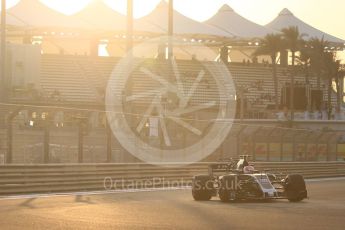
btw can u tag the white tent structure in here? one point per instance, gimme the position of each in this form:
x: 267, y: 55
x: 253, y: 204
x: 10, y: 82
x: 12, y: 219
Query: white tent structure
x: 158, y: 21
x: 34, y: 14
x: 228, y: 20
x: 286, y: 19
x: 98, y: 16
x: 12, y: 21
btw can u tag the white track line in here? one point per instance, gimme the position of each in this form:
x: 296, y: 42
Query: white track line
x: 325, y: 179
x: 104, y: 192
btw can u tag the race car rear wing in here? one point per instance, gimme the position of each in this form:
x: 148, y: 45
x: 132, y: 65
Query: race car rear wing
x: 220, y: 167
x: 227, y: 165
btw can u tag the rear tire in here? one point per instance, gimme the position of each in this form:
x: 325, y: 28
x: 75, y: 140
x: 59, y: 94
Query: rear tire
x: 295, y: 188
x: 201, y: 195
x: 202, y: 188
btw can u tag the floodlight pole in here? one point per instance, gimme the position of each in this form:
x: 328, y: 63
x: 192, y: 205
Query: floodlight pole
x: 3, y: 51
x: 46, y: 142
x: 170, y: 29
x: 109, y: 144
x: 129, y: 26
x: 11, y: 117
x: 80, y: 141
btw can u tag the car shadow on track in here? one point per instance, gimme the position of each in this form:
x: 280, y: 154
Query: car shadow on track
x: 28, y: 203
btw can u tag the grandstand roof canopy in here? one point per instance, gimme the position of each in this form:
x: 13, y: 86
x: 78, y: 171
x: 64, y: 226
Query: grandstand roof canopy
x: 183, y: 25
x: 286, y: 19
x: 227, y: 19
x: 34, y: 14
x: 12, y: 21
x: 98, y: 16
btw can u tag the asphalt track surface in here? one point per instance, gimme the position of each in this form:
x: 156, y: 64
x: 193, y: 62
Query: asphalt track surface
x: 325, y: 209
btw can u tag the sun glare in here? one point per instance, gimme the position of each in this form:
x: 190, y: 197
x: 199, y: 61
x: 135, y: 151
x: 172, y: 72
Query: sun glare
x: 11, y: 3
x: 140, y: 7
x: 144, y: 7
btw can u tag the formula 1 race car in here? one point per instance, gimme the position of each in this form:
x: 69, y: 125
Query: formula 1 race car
x: 239, y: 181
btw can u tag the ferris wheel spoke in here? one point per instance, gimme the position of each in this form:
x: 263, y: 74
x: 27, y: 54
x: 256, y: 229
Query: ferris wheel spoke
x: 181, y: 92
x: 186, y: 126
x: 165, y: 132
x: 185, y: 100
x: 163, y: 126
x: 178, y: 77
x: 164, y: 82
x: 143, y: 95
x: 181, y: 111
x: 147, y: 114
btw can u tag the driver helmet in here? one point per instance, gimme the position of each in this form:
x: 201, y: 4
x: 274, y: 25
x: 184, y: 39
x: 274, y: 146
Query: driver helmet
x: 248, y: 169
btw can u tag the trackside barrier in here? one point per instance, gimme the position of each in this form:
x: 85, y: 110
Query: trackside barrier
x: 26, y: 179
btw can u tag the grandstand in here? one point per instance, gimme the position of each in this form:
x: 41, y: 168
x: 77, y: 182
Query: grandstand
x: 80, y: 79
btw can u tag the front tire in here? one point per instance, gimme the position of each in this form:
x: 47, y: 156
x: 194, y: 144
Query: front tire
x: 295, y: 188
x: 226, y: 191
x: 223, y: 195
x: 227, y: 195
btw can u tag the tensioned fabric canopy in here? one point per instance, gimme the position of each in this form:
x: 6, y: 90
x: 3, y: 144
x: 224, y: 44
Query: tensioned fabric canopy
x: 286, y: 19
x: 98, y: 16
x: 12, y: 21
x: 226, y: 23
x: 183, y: 25
x: 34, y: 14
x: 227, y: 19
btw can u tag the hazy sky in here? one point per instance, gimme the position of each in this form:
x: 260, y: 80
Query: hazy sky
x: 327, y: 15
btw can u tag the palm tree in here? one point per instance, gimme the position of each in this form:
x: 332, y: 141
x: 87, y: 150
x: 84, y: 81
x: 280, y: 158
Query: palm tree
x: 293, y: 40
x: 271, y: 45
x: 317, y: 53
x: 318, y: 59
x: 333, y: 71
x: 304, y: 60
x: 339, y: 85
